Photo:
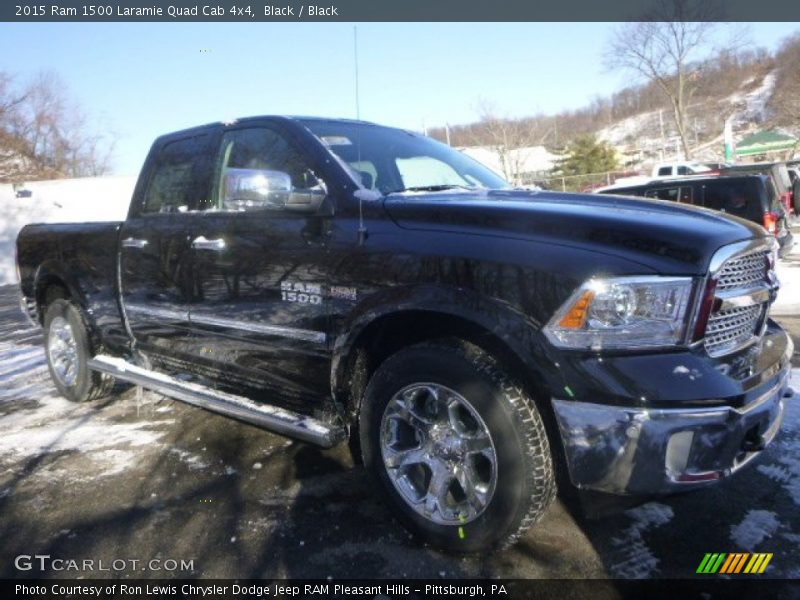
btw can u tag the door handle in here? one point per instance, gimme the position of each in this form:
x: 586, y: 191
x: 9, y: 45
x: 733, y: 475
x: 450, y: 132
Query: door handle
x: 131, y: 242
x: 201, y: 243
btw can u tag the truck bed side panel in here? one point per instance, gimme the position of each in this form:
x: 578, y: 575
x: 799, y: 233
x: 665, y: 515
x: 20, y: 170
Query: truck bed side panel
x: 82, y: 256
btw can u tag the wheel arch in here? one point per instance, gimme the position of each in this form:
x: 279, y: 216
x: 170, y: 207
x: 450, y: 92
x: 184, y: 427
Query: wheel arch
x: 50, y: 282
x: 510, y: 339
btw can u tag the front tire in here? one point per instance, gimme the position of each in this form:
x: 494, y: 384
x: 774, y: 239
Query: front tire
x: 68, y: 351
x: 458, y: 447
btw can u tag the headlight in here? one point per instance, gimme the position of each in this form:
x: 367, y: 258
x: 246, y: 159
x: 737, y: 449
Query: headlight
x: 623, y: 312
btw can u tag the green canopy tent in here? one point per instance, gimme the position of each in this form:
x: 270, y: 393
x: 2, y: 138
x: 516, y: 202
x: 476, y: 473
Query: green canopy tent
x: 765, y: 142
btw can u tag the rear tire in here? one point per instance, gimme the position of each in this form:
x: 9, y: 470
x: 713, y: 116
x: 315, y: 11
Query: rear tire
x: 458, y: 447
x: 68, y: 351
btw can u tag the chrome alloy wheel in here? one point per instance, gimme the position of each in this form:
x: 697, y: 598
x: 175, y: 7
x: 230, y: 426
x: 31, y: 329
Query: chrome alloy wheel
x: 62, y: 350
x: 438, y: 453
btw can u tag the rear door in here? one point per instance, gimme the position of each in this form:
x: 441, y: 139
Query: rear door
x: 261, y: 279
x: 156, y: 268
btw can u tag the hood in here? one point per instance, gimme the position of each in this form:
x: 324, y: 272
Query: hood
x: 668, y: 237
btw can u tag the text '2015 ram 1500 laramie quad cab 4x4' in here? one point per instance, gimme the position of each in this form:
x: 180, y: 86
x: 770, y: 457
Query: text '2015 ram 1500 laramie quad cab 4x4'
x: 328, y: 279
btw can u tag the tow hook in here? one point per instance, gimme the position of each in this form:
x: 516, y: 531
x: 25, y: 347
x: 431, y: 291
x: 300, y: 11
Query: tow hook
x: 754, y: 440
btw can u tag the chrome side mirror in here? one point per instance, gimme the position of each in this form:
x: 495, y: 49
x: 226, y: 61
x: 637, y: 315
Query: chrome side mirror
x: 249, y: 189
x: 253, y: 189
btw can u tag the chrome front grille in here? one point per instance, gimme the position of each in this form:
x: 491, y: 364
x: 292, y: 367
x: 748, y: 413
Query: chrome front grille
x: 744, y: 287
x: 744, y: 271
x: 729, y: 329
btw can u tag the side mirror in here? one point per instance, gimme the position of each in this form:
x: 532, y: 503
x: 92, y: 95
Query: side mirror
x: 248, y: 189
x: 253, y: 189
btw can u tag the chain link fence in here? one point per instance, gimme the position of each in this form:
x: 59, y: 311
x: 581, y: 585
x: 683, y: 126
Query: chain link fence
x: 574, y: 183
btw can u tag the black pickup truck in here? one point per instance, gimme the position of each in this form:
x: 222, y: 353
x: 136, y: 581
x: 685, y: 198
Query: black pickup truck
x: 336, y: 280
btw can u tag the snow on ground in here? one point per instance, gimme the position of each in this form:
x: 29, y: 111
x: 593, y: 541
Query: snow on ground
x: 788, y: 271
x: 639, y: 561
x: 785, y: 470
x: 752, y: 105
x: 756, y: 526
x: 62, y: 201
x: 746, y: 107
x: 634, y: 550
x: 623, y: 131
x: 54, y: 425
x: 37, y: 426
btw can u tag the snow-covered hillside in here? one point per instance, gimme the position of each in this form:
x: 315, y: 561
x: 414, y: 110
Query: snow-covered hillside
x: 643, y: 132
x: 61, y: 201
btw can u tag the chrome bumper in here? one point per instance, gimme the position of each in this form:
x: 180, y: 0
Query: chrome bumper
x: 623, y: 450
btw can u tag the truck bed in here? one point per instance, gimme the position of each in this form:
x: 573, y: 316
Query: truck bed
x: 84, y: 255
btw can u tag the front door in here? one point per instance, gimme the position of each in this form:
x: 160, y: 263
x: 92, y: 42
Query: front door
x: 260, y: 275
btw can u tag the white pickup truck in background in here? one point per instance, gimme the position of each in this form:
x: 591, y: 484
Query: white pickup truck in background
x: 660, y: 171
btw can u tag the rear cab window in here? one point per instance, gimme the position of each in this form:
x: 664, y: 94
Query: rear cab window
x: 179, y: 176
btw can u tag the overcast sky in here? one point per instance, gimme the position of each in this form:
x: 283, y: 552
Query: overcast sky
x: 144, y: 79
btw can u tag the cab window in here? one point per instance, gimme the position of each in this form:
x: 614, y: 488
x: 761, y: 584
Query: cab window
x: 177, y: 183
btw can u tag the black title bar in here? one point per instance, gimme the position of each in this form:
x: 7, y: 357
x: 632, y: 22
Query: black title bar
x: 390, y: 10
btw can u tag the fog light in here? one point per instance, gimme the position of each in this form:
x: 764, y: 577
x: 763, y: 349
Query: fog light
x: 678, y: 449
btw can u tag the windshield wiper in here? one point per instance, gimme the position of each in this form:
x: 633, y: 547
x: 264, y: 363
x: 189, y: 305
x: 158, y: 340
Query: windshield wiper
x: 442, y: 187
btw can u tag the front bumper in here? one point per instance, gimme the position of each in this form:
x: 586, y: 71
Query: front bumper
x: 645, y: 450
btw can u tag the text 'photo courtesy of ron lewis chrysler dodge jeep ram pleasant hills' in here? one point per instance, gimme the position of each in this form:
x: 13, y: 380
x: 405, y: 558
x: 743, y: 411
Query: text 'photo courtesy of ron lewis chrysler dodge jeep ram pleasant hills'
x: 336, y: 280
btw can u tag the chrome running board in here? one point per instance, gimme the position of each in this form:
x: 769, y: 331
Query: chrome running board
x: 272, y: 418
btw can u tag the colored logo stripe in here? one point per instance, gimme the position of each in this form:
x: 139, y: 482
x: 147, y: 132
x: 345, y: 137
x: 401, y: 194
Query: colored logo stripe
x: 735, y: 562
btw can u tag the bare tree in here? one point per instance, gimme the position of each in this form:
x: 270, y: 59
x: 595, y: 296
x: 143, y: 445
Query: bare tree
x: 44, y: 135
x: 661, y: 48
x: 509, y: 138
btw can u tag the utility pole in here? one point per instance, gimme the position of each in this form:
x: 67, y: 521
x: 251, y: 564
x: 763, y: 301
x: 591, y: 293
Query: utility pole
x: 728, y: 136
x: 447, y: 132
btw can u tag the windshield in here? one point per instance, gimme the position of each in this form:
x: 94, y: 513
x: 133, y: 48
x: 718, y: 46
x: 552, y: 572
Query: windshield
x: 392, y: 160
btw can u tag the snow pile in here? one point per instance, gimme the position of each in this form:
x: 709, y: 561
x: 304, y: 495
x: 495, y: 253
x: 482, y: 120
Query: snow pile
x: 788, y: 271
x: 60, y: 201
x: 533, y: 159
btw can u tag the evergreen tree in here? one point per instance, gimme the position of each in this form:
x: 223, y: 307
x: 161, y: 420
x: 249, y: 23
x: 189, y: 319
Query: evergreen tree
x: 585, y: 155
